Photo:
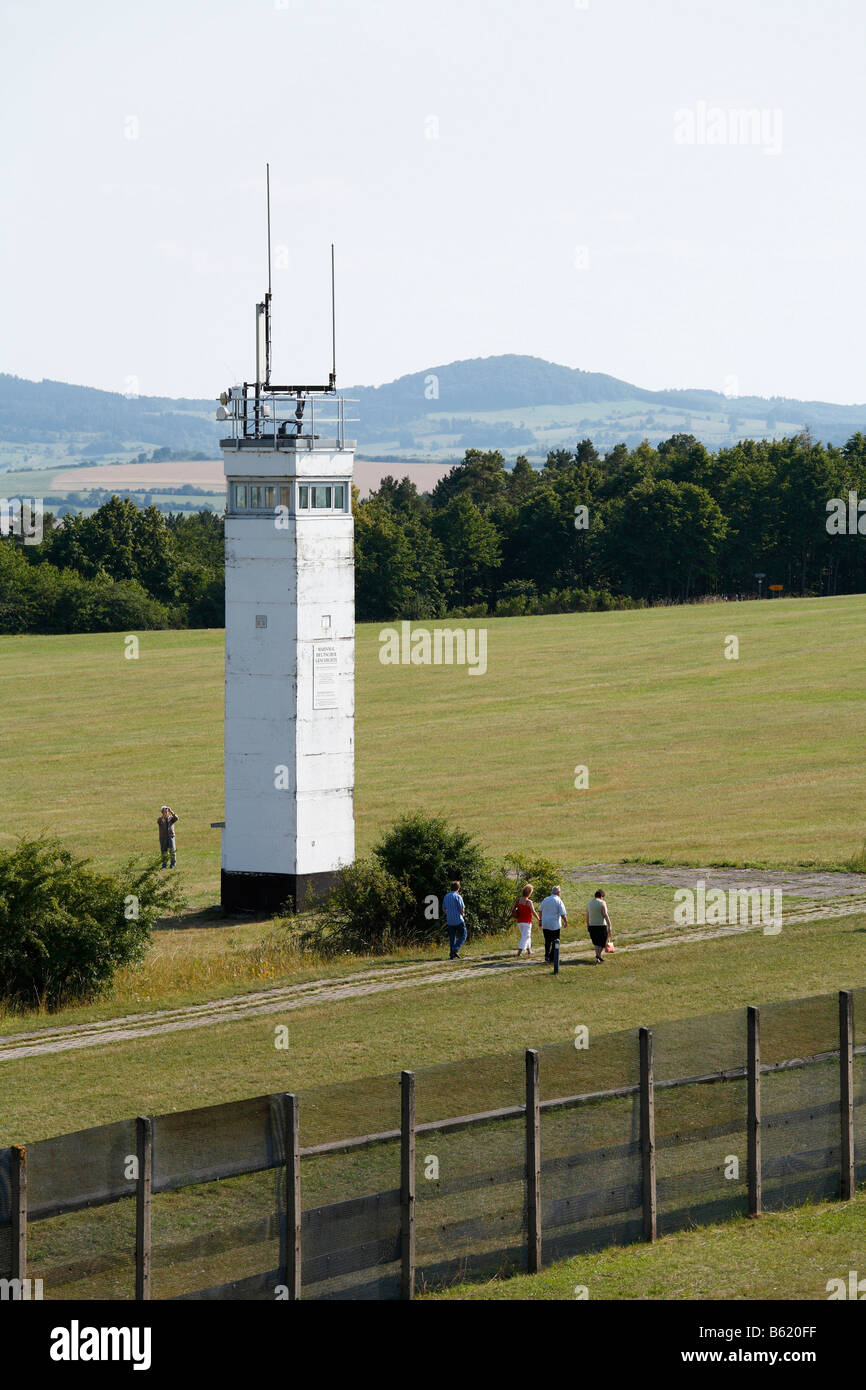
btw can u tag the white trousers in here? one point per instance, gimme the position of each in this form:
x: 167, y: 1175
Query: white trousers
x: 525, y: 935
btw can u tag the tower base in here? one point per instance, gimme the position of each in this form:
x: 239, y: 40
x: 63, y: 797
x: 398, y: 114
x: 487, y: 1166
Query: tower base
x: 248, y: 892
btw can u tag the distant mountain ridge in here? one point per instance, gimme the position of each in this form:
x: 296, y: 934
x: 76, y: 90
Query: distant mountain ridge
x: 512, y: 380
x: 526, y: 404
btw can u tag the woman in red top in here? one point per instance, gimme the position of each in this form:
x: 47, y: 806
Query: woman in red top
x: 524, y: 910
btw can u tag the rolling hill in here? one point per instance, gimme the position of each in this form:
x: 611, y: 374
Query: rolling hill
x: 516, y: 403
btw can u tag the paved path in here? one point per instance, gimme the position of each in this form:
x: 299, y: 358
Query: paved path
x: 821, y: 896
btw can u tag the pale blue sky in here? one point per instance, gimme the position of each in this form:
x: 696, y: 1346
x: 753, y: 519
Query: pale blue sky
x: 573, y: 204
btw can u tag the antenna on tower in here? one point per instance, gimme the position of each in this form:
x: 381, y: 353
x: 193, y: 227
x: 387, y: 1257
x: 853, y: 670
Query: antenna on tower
x: 333, y: 380
x: 268, y: 187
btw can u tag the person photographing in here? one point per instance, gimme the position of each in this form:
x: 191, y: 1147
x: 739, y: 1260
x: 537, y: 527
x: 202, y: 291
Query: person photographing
x: 166, y: 822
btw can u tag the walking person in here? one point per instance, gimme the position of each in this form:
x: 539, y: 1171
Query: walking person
x: 553, y: 918
x: 455, y: 919
x: 524, y: 910
x: 166, y: 821
x: 598, y: 924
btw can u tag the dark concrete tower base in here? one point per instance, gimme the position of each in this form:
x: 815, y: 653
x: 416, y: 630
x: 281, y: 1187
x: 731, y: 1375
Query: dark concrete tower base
x: 241, y: 892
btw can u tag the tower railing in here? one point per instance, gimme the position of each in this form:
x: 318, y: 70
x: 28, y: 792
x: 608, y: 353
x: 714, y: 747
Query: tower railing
x: 277, y: 415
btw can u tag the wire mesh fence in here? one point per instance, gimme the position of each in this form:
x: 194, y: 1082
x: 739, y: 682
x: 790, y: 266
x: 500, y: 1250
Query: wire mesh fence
x: 378, y: 1188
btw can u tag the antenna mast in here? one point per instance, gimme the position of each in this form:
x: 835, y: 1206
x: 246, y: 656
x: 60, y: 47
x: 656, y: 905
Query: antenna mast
x: 333, y: 381
x: 268, y: 295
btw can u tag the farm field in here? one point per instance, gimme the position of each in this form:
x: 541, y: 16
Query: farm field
x: 691, y: 758
x: 205, y: 475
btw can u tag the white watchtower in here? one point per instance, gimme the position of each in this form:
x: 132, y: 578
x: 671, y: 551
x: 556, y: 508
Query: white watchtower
x: 290, y: 639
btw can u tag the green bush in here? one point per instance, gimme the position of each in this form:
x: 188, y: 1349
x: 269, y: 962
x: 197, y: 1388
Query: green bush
x: 64, y: 928
x: 427, y: 853
x: 394, y: 898
x: 368, y: 910
x: 533, y: 868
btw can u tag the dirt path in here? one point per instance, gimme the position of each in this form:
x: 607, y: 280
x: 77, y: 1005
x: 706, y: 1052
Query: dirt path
x: 820, y: 896
x: 804, y: 883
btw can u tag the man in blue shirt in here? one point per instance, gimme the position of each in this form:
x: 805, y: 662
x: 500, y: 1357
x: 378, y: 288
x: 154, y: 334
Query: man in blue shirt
x: 455, y: 918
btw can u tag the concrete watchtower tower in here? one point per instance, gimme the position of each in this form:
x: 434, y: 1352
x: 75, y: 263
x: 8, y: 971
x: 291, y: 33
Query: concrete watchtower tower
x: 290, y: 638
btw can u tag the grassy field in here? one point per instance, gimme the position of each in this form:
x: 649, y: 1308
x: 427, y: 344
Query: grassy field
x: 739, y: 1259
x: 489, y: 1011
x: 692, y: 758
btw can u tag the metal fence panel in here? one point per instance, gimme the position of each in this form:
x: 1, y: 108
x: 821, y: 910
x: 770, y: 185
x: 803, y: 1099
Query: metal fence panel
x: 347, y: 1109
x: 81, y: 1213
x: 220, y: 1239
x: 471, y: 1087
x: 350, y: 1225
x: 470, y: 1207
x: 86, y: 1169
x: 217, y: 1141
x: 799, y: 1028
x: 588, y: 1063
x: 86, y: 1254
x: 860, y: 1118
x: 800, y: 1130
x: 701, y: 1160
x: 700, y: 1046
x: 590, y: 1177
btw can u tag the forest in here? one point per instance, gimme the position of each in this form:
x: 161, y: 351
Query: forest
x: 667, y: 524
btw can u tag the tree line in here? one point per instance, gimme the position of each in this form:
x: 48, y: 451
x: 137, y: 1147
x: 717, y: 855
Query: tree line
x: 671, y: 523
x: 123, y: 568
x: 650, y: 524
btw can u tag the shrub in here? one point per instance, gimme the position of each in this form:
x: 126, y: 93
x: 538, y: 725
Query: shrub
x: 368, y: 910
x: 427, y: 853
x: 394, y: 898
x: 64, y: 929
x: 533, y: 868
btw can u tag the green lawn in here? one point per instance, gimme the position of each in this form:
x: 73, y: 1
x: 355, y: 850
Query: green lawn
x: 784, y: 1255
x: 490, y: 1011
x: 691, y: 757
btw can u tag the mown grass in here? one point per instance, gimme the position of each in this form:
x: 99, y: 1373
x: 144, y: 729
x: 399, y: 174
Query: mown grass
x: 485, y: 1010
x: 784, y: 1255
x: 692, y: 758
x: 187, y: 964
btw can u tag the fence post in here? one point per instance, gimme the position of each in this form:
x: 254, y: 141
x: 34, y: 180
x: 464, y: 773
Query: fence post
x: 648, y: 1133
x: 753, y: 1104
x: 292, y: 1235
x: 19, y: 1211
x: 846, y: 1090
x: 407, y: 1184
x: 143, y: 1191
x: 533, y: 1162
